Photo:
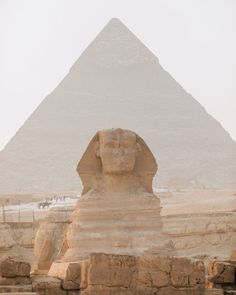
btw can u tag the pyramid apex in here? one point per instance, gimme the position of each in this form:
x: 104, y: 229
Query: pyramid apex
x: 115, y: 22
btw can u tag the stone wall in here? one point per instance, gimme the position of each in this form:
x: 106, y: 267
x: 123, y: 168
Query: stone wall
x: 108, y: 274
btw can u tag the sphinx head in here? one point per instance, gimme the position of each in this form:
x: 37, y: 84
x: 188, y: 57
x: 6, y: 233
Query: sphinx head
x: 117, y: 152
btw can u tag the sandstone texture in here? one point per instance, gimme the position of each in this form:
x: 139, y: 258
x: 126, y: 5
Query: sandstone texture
x: 11, y: 268
x: 125, y: 274
x: 73, y: 274
x: 15, y: 276
x: 47, y: 286
x: 49, y: 238
x: 222, y: 276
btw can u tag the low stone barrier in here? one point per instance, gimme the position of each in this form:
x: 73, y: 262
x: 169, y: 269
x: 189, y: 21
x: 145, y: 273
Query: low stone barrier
x: 108, y: 274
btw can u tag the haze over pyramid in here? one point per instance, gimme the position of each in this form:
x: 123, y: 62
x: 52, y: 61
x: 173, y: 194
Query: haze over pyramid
x: 118, y: 82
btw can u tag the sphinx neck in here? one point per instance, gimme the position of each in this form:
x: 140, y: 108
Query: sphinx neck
x: 124, y: 183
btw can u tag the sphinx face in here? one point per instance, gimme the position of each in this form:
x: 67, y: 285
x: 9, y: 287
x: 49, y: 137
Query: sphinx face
x: 117, y: 150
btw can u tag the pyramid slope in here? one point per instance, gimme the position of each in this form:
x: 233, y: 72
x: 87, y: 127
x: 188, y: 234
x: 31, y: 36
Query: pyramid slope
x: 118, y: 82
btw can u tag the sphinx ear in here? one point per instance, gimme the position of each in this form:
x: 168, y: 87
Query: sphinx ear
x: 138, y: 149
x: 97, y: 149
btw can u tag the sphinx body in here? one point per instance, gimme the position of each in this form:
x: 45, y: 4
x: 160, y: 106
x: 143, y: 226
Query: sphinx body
x: 118, y: 211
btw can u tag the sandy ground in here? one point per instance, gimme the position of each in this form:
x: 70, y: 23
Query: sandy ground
x: 197, y: 201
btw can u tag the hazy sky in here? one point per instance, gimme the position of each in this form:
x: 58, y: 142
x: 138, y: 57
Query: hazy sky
x: 195, y: 41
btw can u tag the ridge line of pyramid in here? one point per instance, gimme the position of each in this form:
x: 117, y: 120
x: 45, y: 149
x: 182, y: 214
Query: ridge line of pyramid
x: 106, y: 30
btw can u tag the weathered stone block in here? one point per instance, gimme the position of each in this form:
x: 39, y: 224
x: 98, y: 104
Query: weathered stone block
x: 212, y: 291
x: 111, y: 270
x: 186, y: 272
x: 221, y: 272
x: 162, y: 263
x: 46, y: 285
x: 74, y: 292
x: 11, y: 268
x: 181, y: 268
x: 15, y: 289
x: 72, y: 274
x: 180, y: 291
x: 15, y: 281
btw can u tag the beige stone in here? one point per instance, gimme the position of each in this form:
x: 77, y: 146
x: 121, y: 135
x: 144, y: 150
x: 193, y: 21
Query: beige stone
x: 153, y: 271
x: 111, y: 270
x: 15, y: 281
x: 72, y: 274
x: 212, y: 291
x: 126, y: 274
x: 46, y: 285
x: 15, y: 288
x: 180, y: 291
x: 14, y: 268
x: 186, y: 272
x: 49, y: 238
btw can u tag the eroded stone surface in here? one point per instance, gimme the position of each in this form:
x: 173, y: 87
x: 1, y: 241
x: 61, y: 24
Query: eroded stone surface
x: 11, y: 268
x: 126, y: 274
x: 49, y: 238
x: 45, y: 285
x: 15, y: 281
x: 72, y: 274
x: 221, y: 272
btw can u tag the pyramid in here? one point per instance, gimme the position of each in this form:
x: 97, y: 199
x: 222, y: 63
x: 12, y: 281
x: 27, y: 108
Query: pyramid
x: 118, y: 82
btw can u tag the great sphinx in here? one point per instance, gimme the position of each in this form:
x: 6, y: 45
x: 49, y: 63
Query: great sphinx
x: 117, y: 212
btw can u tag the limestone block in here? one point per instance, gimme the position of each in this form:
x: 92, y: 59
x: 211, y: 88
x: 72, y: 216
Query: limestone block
x: 111, y: 270
x: 221, y: 272
x: 162, y: 263
x: 13, y: 268
x: 46, y: 285
x: 181, y: 268
x: 15, y: 281
x: 18, y: 289
x: 73, y: 274
x: 197, y: 275
x: 103, y: 290
x: 212, y: 291
x: 179, y: 291
x: 74, y: 292
x: 153, y: 271
x: 186, y: 272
